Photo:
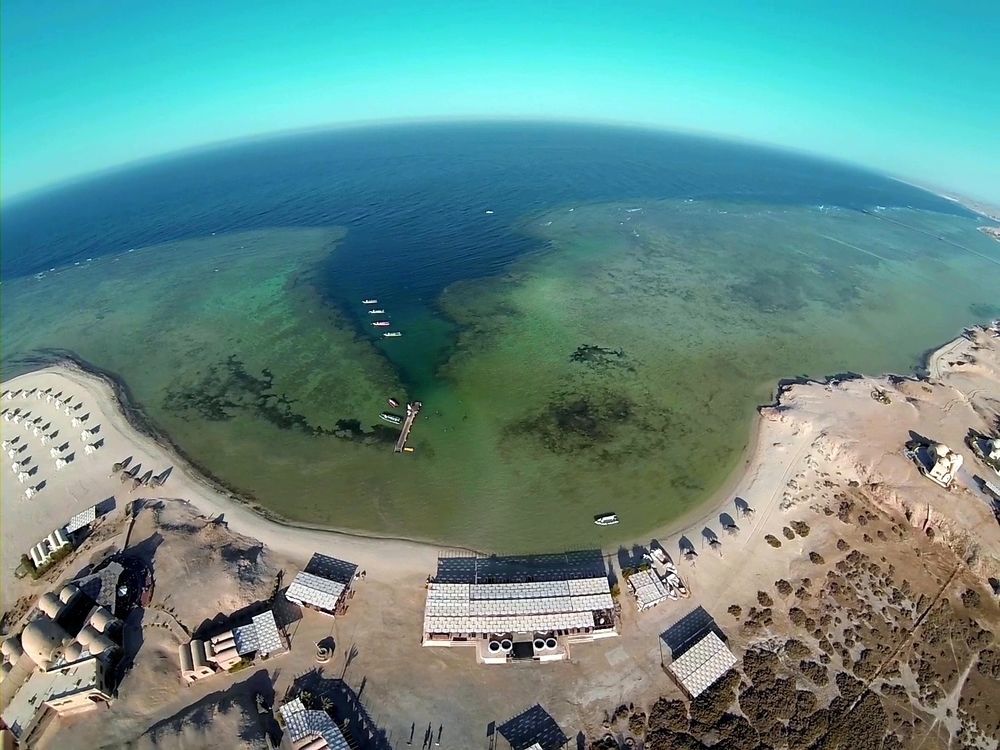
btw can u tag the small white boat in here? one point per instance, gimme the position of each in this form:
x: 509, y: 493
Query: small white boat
x: 381, y: 323
x: 376, y: 312
x: 369, y: 302
x: 392, y: 334
x: 606, y: 519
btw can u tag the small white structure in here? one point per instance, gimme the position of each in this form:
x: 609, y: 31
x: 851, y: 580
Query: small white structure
x: 23, y: 477
x: 946, y: 464
x: 55, y: 452
x: 61, y: 463
x: 30, y: 492
x: 991, y: 449
x: 648, y: 589
x: 89, y: 449
x: 76, y: 422
x: 702, y: 664
x: 311, y: 729
x: 42, y: 552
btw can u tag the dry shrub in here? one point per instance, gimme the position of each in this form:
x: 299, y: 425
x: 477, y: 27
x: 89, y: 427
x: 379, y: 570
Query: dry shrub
x: 668, y: 715
x: 801, y: 528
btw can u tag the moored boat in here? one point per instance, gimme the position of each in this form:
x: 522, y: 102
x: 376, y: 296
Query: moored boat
x: 393, y: 403
x: 606, y: 519
x: 388, y: 416
x: 392, y: 334
x: 369, y: 302
x: 377, y: 311
x: 381, y: 323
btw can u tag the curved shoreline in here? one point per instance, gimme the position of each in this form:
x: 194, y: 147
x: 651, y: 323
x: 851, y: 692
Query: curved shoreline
x: 744, y: 470
x: 137, y: 419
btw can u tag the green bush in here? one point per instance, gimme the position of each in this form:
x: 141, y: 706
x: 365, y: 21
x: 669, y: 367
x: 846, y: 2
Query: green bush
x: 239, y: 666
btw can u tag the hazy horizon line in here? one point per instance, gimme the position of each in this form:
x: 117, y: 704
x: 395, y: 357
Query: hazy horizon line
x: 165, y: 156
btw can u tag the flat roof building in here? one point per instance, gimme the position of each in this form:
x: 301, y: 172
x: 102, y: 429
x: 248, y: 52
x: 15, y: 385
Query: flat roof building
x: 65, y: 689
x: 702, y: 663
x: 509, y: 620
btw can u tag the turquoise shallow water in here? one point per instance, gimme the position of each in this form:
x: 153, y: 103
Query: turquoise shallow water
x: 573, y: 355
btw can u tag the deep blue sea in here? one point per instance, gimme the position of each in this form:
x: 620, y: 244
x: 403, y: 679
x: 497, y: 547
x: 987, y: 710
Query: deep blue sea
x: 414, y: 197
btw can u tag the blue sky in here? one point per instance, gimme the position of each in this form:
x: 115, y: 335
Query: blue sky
x: 911, y: 88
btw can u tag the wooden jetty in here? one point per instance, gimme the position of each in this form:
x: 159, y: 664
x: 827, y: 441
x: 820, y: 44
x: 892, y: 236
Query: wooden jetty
x: 412, y: 410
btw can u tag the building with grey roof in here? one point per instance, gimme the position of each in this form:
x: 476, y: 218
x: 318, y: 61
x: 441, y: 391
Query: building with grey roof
x: 311, y: 729
x: 519, y: 619
x: 702, y: 663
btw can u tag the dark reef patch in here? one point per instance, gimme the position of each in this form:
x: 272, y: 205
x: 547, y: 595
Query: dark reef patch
x: 227, y: 388
x: 601, y: 357
x: 982, y: 310
x: 598, y: 421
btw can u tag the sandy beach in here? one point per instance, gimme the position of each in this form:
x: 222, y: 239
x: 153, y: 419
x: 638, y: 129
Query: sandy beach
x: 817, y: 439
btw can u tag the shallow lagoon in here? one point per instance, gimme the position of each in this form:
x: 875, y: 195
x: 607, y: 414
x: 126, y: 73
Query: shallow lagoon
x: 616, y: 366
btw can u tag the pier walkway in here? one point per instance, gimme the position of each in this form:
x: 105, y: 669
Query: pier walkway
x: 412, y: 410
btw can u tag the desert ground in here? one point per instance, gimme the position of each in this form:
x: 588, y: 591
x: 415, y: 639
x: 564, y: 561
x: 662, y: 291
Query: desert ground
x: 849, y: 562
